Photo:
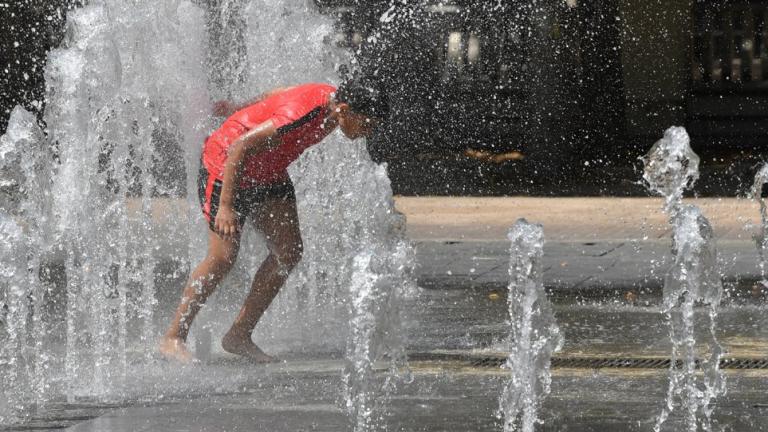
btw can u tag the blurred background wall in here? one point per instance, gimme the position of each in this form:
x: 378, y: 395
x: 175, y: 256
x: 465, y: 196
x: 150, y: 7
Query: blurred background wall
x: 521, y: 96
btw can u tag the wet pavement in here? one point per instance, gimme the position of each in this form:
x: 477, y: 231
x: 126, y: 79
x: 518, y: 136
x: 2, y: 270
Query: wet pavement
x: 451, y: 390
x: 457, y: 331
x: 594, y: 246
x: 439, y: 399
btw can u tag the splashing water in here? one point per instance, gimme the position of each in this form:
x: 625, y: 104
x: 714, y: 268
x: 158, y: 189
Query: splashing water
x: 13, y: 317
x: 693, y: 278
x: 671, y: 167
x: 357, y: 263
x: 108, y: 120
x: 356, y: 270
x: 761, y: 179
x: 284, y: 43
x: 127, y: 96
x: 374, y: 331
x: 25, y: 165
x: 534, y: 333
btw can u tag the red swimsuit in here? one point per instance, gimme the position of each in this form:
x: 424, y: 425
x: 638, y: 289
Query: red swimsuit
x: 298, y: 114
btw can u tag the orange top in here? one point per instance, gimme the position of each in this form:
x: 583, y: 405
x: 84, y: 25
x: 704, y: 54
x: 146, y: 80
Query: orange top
x: 298, y: 114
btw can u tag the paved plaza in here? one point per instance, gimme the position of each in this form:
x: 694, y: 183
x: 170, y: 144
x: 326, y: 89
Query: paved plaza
x: 605, y: 259
x: 593, y: 244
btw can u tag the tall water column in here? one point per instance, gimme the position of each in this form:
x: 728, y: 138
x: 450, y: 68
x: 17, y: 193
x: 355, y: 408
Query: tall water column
x: 26, y: 330
x: 128, y: 75
x: 671, y: 167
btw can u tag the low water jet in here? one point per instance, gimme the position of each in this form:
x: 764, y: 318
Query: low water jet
x: 534, y: 334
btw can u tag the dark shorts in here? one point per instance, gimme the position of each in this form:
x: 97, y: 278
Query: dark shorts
x: 246, y: 199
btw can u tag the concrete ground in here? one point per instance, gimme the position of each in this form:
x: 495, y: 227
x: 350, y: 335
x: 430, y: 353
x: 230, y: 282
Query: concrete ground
x: 593, y: 245
x: 572, y: 219
x: 604, y: 262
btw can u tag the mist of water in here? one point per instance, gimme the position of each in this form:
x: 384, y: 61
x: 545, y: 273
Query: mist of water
x: 284, y: 44
x: 671, y: 166
x: 534, y: 334
x: 25, y: 166
x: 13, y: 317
x: 377, y: 287
x: 128, y: 93
x: 120, y: 87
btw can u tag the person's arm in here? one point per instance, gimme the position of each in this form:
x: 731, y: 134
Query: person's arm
x: 224, y: 108
x: 256, y: 140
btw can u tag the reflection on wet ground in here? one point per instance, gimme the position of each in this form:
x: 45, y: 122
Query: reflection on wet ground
x: 469, y: 320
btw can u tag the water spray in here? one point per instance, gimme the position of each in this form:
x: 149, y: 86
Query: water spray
x: 534, y: 335
x: 671, y: 167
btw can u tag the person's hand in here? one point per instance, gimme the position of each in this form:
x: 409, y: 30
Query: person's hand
x: 226, y: 222
x: 222, y: 108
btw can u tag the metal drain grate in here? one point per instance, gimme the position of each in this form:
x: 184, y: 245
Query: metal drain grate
x: 592, y: 362
x: 488, y: 362
x: 599, y: 363
x: 744, y: 364
x: 651, y: 363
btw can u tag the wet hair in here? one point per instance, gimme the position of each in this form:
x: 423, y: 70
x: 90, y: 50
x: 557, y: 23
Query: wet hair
x: 362, y: 99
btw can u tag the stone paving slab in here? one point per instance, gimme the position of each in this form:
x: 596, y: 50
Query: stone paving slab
x: 459, y: 401
x: 304, y: 393
x: 566, y: 219
x: 571, y: 266
x: 591, y: 242
x: 461, y: 242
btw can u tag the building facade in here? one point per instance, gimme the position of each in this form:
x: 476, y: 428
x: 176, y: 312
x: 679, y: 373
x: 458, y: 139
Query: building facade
x: 574, y: 78
x: 557, y: 80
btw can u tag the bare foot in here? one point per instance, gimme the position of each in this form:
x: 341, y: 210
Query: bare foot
x: 173, y: 348
x: 244, y: 346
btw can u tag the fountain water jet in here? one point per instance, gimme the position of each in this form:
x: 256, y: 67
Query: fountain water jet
x: 13, y: 317
x: 105, y: 115
x: 381, y: 277
x: 130, y: 79
x: 25, y: 166
x: 357, y: 262
x: 285, y: 44
x: 534, y: 334
x: 671, y: 166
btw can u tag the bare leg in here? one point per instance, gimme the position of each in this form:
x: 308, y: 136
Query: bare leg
x: 278, y: 220
x: 202, y: 283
